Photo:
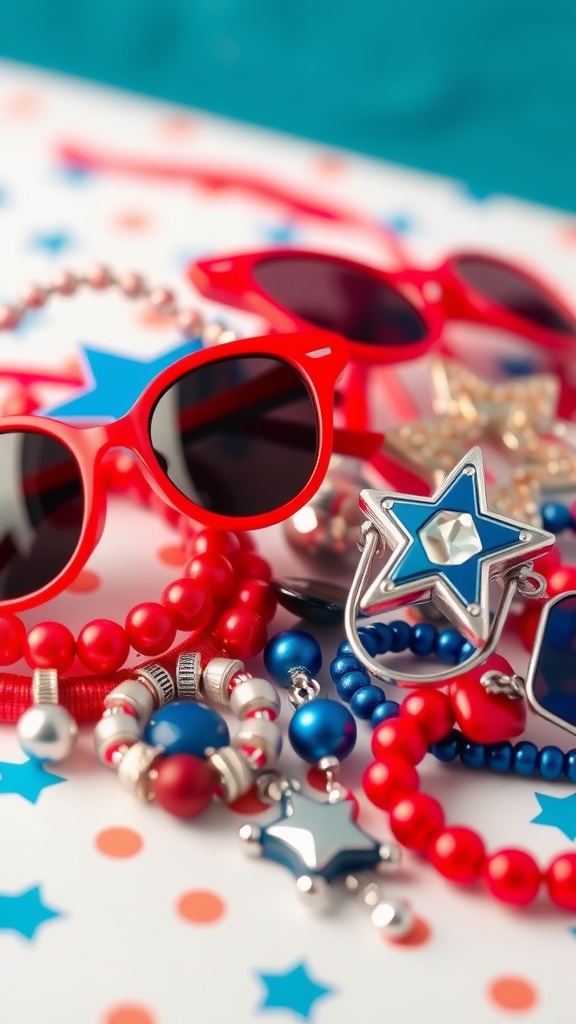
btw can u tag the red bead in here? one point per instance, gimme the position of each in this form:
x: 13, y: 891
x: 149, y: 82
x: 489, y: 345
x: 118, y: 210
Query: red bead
x: 50, y: 645
x: 458, y: 854
x: 487, y: 717
x: 415, y: 820
x: 190, y: 607
x: 249, y: 565
x: 561, y: 580
x: 150, y: 628
x: 384, y: 780
x: 214, y: 542
x: 213, y: 572
x: 512, y: 876
x: 19, y: 403
x: 184, y: 785
x: 528, y: 622
x: 103, y: 646
x: 431, y: 710
x: 551, y: 560
x: 245, y: 540
x: 561, y: 881
x: 12, y: 639
x: 399, y: 736
x: 241, y: 632
x: 257, y: 595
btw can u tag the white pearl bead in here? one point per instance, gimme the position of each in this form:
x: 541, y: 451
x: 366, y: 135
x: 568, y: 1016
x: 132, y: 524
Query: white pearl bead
x: 47, y: 732
x: 254, y: 695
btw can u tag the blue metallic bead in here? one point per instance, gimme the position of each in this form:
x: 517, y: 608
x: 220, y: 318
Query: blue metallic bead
x: 499, y: 756
x: 389, y: 709
x: 472, y: 754
x: 423, y: 639
x: 466, y: 651
x: 366, y: 700
x: 322, y: 728
x: 385, y: 637
x: 344, y: 648
x: 524, y: 758
x: 292, y: 650
x: 341, y: 665
x: 448, y: 646
x: 350, y: 683
x: 570, y: 765
x: 550, y: 763
x: 555, y: 517
x: 369, y: 639
x: 182, y: 727
x: 448, y: 748
x: 400, y: 636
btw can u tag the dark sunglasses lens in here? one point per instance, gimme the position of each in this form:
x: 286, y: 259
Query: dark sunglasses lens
x: 514, y: 292
x: 341, y: 298
x: 239, y: 437
x: 42, y: 511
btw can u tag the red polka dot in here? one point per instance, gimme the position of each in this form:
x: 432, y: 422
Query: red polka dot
x: 86, y: 582
x: 513, y: 993
x: 249, y: 804
x: 118, y: 842
x: 171, y: 554
x: 129, y: 1013
x: 316, y: 779
x: 199, y: 906
x: 420, y: 934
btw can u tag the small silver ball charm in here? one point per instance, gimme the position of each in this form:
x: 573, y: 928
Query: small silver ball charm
x: 47, y: 732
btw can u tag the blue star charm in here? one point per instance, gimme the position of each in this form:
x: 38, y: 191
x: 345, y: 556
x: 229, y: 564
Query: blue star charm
x: 27, y: 779
x: 25, y: 912
x: 558, y: 812
x: 53, y: 242
x: 115, y: 383
x: 293, y: 990
x: 447, y: 548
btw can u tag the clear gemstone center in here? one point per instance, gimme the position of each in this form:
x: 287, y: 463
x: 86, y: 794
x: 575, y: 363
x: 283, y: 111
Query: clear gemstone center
x: 450, y: 538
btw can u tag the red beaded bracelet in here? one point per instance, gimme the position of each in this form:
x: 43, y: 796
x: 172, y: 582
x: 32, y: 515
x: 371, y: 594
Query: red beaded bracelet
x: 417, y: 819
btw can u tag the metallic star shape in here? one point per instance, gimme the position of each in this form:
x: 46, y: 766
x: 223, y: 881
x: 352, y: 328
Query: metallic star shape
x: 25, y: 912
x: 318, y: 839
x: 114, y: 383
x: 461, y: 591
x: 27, y: 779
x: 292, y: 990
x: 557, y: 812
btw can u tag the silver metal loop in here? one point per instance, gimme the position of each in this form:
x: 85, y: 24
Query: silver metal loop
x: 387, y: 675
x: 302, y: 690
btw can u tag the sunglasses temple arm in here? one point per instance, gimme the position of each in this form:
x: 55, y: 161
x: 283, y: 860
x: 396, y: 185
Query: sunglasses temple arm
x: 359, y: 444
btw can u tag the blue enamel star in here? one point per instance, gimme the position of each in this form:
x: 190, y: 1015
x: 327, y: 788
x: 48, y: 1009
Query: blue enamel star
x: 447, y: 548
x: 114, y: 383
x: 292, y: 990
x: 25, y: 912
x: 53, y: 242
x: 27, y: 779
x: 558, y: 812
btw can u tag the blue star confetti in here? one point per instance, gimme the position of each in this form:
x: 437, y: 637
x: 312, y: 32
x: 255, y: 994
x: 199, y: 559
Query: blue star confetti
x: 25, y: 913
x: 53, y: 243
x: 282, y: 233
x: 292, y: 990
x: 27, y: 779
x: 115, y: 383
x: 401, y: 223
x: 557, y: 812
x: 75, y: 174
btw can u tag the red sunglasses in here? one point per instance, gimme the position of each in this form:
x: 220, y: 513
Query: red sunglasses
x: 387, y: 316
x: 235, y: 437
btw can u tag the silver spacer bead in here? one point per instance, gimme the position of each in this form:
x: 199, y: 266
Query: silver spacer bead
x: 188, y: 676
x: 262, y: 734
x: 133, y: 693
x: 47, y: 732
x: 394, y: 918
x: 234, y: 771
x: 159, y: 682
x: 113, y: 731
x: 135, y: 771
x: 254, y: 695
x: 45, y: 686
x: 216, y: 676
x: 314, y: 891
x: 390, y: 858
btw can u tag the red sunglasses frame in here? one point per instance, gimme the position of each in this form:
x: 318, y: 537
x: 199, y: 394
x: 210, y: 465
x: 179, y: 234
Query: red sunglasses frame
x: 438, y: 295
x: 318, y: 356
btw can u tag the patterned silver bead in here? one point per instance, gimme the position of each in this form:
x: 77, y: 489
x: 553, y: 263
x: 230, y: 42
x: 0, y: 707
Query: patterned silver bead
x: 254, y: 695
x: 188, y: 676
x: 47, y: 732
x: 234, y: 771
x: 45, y: 686
x: 159, y: 682
x: 134, y: 694
x: 262, y: 734
x: 216, y: 676
x: 114, y: 730
x: 136, y: 768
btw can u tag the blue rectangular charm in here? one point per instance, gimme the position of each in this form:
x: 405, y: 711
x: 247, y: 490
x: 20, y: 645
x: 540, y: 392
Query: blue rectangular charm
x: 551, y: 677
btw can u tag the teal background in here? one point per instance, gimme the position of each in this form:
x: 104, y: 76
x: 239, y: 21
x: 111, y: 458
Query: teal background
x: 483, y: 90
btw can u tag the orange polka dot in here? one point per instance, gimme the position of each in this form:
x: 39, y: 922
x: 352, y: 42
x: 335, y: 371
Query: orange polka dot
x: 129, y: 1014
x: 250, y: 803
x: 329, y: 163
x: 118, y: 842
x: 420, y: 934
x: 512, y: 993
x: 199, y: 906
x: 85, y: 582
x: 171, y: 554
x: 178, y: 125
x: 132, y: 220
x: 153, y: 319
